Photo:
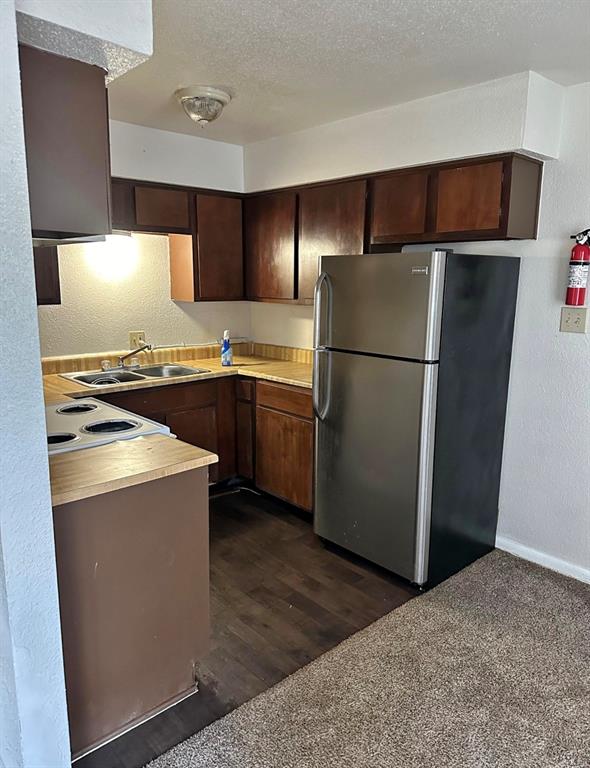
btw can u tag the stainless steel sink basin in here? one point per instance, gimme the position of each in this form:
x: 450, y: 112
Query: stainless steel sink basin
x: 166, y: 370
x: 104, y: 378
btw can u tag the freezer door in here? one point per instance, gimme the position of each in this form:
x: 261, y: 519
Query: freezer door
x: 383, y: 304
x: 374, y: 427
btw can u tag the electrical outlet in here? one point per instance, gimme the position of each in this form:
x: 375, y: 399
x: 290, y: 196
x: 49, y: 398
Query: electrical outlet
x: 574, y: 319
x: 136, y: 339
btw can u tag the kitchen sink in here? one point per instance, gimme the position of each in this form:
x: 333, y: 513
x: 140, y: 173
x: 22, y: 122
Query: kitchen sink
x: 114, y: 376
x: 166, y: 370
x: 104, y: 378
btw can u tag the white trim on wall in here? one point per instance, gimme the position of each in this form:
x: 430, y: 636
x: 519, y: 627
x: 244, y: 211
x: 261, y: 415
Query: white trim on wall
x: 541, y: 558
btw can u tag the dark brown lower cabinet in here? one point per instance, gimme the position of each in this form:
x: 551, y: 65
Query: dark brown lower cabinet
x: 133, y: 578
x: 262, y: 431
x: 284, y: 443
x: 201, y: 413
x: 245, y: 427
x: 197, y: 426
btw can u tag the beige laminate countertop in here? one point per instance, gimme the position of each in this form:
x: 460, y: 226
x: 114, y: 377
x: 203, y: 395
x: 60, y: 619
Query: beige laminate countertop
x: 57, y: 389
x: 77, y: 475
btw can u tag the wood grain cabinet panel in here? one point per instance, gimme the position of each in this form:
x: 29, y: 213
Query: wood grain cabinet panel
x: 491, y: 198
x: 284, y: 397
x: 67, y: 145
x: 197, y: 426
x: 331, y: 222
x: 200, y: 413
x: 123, y: 204
x: 219, y: 247
x: 269, y: 231
x: 469, y: 198
x: 162, y: 209
x: 284, y: 456
x: 245, y: 439
x: 398, y: 205
x: 47, y: 275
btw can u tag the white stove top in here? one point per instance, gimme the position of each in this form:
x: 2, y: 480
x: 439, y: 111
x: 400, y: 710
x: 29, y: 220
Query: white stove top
x: 87, y: 422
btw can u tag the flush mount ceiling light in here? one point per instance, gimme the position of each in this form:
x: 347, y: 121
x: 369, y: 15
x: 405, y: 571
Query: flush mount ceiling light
x: 202, y: 103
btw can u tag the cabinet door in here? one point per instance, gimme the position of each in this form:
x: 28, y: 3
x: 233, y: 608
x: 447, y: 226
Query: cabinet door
x: 245, y: 439
x: 398, y: 206
x: 284, y: 456
x: 220, y: 254
x: 197, y: 426
x: 269, y: 230
x: 469, y: 198
x: 160, y: 209
x: 47, y: 275
x: 123, y: 204
x: 331, y: 221
x: 67, y: 145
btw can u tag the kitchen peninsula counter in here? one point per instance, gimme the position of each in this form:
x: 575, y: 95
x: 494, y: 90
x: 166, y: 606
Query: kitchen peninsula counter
x: 77, y: 475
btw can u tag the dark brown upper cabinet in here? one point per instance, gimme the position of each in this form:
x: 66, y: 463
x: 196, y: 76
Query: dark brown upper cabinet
x: 399, y: 203
x: 269, y: 243
x: 469, y: 198
x: 123, y: 204
x: 331, y: 222
x: 209, y: 267
x: 47, y: 275
x: 219, y: 247
x: 490, y: 198
x: 67, y: 145
x: 162, y: 209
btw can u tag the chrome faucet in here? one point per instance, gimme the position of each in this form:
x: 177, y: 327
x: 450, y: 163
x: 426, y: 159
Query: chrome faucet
x: 143, y: 348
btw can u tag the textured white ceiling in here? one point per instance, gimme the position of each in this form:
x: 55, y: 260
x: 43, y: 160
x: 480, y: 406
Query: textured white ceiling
x: 293, y: 64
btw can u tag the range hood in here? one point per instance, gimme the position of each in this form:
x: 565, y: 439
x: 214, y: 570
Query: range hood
x: 54, y: 239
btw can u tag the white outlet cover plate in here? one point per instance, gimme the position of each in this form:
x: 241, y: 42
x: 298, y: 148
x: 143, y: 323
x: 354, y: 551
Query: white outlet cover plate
x: 136, y: 339
x: 574, y: 320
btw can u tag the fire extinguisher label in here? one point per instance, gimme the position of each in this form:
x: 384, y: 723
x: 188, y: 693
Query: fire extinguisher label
x: 578, y: 276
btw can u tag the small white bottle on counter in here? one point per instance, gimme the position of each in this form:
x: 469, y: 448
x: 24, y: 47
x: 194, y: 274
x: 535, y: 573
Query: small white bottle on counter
x: 227, y: 356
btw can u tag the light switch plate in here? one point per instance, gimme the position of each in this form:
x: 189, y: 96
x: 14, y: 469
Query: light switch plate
x: 574, y: 319
x: 136, y: 339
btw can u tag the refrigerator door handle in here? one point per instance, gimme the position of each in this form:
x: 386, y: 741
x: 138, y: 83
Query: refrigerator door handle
x: 322, y: 280
x: 321, y: 403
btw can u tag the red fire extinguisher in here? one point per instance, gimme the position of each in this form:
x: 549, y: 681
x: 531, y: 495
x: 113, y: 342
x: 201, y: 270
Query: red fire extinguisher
x: 578, y: 273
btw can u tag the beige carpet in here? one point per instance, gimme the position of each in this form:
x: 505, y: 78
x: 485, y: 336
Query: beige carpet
x: 492, y: 668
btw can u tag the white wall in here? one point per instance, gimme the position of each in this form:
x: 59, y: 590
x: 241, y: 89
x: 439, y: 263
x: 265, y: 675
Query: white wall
x: 284, y: 324
x: 111, y: 34
x: 545, y: 492
x: 109, y: 289
x: 127, y: 24
x: 33, y: 719
x: 175, y: 158
x: 485, y: 118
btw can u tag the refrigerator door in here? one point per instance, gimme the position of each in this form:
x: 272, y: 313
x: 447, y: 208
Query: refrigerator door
x: 373, y: 457
x: 383, y: 304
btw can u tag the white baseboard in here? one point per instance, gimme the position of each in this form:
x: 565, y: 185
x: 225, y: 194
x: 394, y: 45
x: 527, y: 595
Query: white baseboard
x: 541, y: 558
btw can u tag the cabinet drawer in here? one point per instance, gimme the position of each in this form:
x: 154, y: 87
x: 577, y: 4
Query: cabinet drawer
x: 164, y: 399
x: 283, y: 397
x: 161, y: 208
x: 245, y: 390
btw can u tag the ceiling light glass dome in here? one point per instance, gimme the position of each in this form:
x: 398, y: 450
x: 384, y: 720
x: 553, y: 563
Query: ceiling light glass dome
x: 202, y: 103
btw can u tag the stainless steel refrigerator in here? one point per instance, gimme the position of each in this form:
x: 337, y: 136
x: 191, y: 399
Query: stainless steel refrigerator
x: 411, y: 368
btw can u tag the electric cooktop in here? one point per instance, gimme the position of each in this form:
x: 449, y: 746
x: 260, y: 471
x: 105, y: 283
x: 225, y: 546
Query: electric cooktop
x: 87, y: 423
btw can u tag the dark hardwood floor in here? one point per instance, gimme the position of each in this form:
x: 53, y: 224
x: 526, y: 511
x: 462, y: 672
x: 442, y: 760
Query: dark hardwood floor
x: 279, y: 599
